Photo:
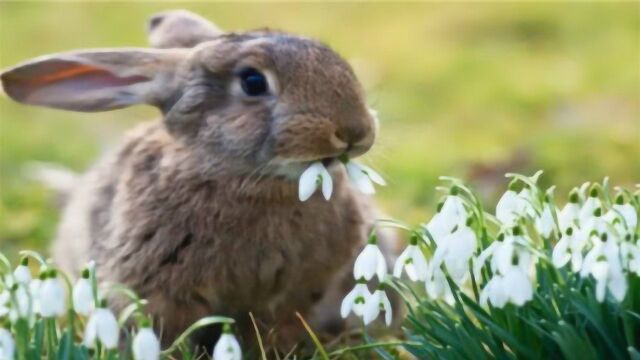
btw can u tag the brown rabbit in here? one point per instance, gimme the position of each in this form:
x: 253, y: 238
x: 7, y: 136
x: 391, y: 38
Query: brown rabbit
x: 199, y: 212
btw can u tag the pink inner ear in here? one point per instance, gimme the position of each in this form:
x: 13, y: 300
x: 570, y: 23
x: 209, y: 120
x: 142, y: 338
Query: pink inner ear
x: 66, y: 84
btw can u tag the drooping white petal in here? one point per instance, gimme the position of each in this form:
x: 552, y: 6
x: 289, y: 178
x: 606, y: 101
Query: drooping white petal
x: 327, y: 183
x: 7, y: 345
x: 568, y: 216
x: 453, y: 208
x: 359, y: 178
x: 588, y: 208
x: 355, y: 300
x: 518, y: 285
x: 227, y: 348
x: 370, y: 262
x: 52, y: 298
x: 503, y: 255
x: 617, y: 285
x: 102, y: 326
x: 388, y: 312
x: 544, y: 223
x: 22, y: 274
x: 413, y: 262
x: 309, y: 181
x: 629, y: 214
x: 145, y: 345
x: 600, y: 271
x: 508, y: 207
x: 83, y: 296
x: 371, y: 308
x: 347, y: 303
x: 560, y: 256
x: 440, y: 226
x: 373, y: 175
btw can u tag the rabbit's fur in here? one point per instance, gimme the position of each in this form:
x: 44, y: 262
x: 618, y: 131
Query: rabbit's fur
x: 199, y: 213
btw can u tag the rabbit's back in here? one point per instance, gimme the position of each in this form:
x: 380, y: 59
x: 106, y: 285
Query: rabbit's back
x: 215, y: 243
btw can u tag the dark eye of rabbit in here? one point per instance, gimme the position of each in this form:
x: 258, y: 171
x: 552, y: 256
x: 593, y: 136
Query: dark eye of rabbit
x: 253, y: 82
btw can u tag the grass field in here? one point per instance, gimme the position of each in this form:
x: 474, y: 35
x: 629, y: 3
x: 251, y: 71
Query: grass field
x: 470, y: 89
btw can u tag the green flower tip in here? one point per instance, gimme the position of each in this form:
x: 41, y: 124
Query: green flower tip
x: 597, y: 212
x: 362, y: 280
x: 547, y: 198
x: 517, y: 231
x: 24, y: 261
x: 440, y: 205
x: 454, y: 190
x: 627, y: 237
x: 594, y: 191
x: 413, y: 240
x: 85, y: 273
x: 513, y: 185
x: 43, y: 275
x: 53, y: 273
x: 381, y: 286
x: 102, y: 303
x: 469, y: 221
x: 344, y: 158
x: 144, y: 323
x: 573, y: 196
x: 620, y: 199
x: 373, y: 239
x: 501, y: 237
x: 604, y: 237
x: 569, y: 231
x: 226, y: 328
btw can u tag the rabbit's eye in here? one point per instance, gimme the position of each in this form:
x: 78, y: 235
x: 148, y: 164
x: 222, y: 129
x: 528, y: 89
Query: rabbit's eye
x: 253, y: 82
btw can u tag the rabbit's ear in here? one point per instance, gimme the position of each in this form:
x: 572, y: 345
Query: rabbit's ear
x: 180, y: 29
x: 95, y: 80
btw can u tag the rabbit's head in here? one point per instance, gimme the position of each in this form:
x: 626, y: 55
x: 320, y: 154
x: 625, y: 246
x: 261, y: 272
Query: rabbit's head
x: 255, y: 100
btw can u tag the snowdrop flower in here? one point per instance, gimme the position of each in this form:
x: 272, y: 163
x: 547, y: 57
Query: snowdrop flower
x: 455, y: 250
x: 146, y: 345
x: 495, y: 293
x: 363, y: 177
x: 315, y: 175
x: 509, y: 205
x: 589, y: 207
x: 51, y: 296
x: 22, y: 272
x: 453, y: 207
x: 603, y: 263
x: 377, y: 302
x: 21, y: 303
x: 630, y: 254
x: 544, y: 223
x: 412, y: 261
x: 623, y: 216
x: 103, y: 327
x: 568, y: 216
x: 569, y: 248
x: 5, y: 296
x: 511, y: 253
x: 83, y: 294
x: 356, y: 299
x: 227, y: 347
x: 370, y: 262
x: 436, y: 285
x: 7, y: 345
x: 526, y: 204
x: 513, y: 287
x: 440, y: 225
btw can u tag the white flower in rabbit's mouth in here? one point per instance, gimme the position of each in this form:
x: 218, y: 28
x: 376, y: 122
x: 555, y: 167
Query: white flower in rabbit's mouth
x: 362, y: 176
x: 103, y: 327
x: 145, y: 345
x: 356, y: 299
x: 370, y: 262
x: 316, y: 175
x: 52, y: 296
x: 227, y: 347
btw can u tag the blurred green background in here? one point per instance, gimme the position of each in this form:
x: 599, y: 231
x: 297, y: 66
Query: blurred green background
x: 470, y: 89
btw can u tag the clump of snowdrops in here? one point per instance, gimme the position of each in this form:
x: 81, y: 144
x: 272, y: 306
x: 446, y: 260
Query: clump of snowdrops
x: 531, y: 279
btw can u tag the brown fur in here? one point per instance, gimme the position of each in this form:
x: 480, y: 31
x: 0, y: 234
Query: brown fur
x: 199, y: 213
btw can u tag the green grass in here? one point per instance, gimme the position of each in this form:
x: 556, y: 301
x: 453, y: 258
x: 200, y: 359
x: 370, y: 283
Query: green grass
x: 471, y: 90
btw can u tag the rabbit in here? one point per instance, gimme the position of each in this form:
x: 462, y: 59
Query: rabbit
x: 199, y: 212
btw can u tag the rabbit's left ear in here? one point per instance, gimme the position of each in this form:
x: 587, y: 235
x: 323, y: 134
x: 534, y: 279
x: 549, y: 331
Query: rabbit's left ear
x: 180, y: 29
x: 96, y: 80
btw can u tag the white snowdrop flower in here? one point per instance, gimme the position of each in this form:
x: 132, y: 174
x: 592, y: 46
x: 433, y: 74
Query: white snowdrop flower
x: 568, y: 216
x: 377, y: 302
x: 83, y: 301
x: 145, y: 345
x: 355, y: 300
x: 103, y: 327
x: 569, y: 248
x: 22, y: 272
x: 630, y: 254
x: 453, y: 207
x: 494, y: 292
x: 510, y: 253
x: 603, y: 263
x: 363, y: 177
x: 227, y: 347
x: 589, y: 207
x: 370, y: 262
x: 455, y: 250
x: 622, y: 216
x: 51, y: 296
x: 7, y: 345
x: 508, y: 207
x: 440, y: 226
x: 544, y: 223
x: 21, y: 304
x: 436, y: 285
x: 526, y: 204
x: 315, y: 175
x: 518, y: 286
x: 412, y: 261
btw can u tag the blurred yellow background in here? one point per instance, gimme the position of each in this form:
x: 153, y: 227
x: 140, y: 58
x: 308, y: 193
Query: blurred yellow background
x: 465, y: 89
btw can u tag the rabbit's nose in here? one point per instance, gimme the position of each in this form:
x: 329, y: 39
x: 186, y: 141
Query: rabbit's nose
x: 355, y: 135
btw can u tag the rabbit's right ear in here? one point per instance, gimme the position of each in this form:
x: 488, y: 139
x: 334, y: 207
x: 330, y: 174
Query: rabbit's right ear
x: 96, y: 80
x: 180, y: 29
